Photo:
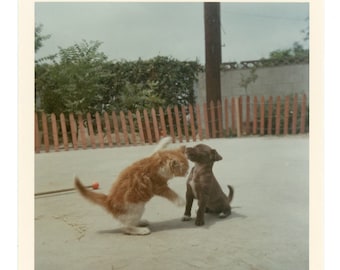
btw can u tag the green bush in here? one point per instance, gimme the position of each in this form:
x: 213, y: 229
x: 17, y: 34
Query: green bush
x: 81, y: 79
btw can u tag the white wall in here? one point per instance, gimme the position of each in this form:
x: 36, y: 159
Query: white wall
x: 271, y: 81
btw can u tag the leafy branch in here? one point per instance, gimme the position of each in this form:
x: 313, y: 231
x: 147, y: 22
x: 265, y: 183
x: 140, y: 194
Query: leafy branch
x: 246, y: 80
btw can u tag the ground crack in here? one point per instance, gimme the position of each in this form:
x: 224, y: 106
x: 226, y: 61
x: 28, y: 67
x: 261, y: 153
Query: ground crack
x: 79, y: 228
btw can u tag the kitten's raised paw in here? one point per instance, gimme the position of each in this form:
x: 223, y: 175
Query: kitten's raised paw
x: 179, y: 201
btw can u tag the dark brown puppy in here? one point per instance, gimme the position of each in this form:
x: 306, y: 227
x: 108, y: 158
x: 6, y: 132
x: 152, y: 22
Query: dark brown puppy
x: 203, y: 186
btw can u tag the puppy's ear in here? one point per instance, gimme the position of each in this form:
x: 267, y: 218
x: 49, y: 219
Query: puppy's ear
x: 215, y: 156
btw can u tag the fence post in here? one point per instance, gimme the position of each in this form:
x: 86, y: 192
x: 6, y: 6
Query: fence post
x: 161, y: 115
x: 237, y: 116
x: 132, y: 128
x: 199, y: 123
x: 155, y: 124
x: 219, y: 119
x: 55, y: 132
x: 73, y: 125
x: 99, y: 130
x: 124, y: 128
x: 240, y: 110
x: 116, y: 127
x: 147, y: 125
x: 270, y: 116
x: 45, y: 132
x: 226, y: 116
x: 233, y: 116
x: 286, y: 116
x: 295, y: 111
x: 90, y: 126
x: 178, y: 124
x: 303, y: 114
x: 36, y: 134
x: 192, y: 123
x: 171, y: 124
x: 140, y: 127
x: 262, y: 122
x: 255, y: 116
x: 206, y: 121
x: 108, y: 129
x: 64, y: 131
x: 185, y: 123
x: 82, y: 131
x: 213, y: 119
x: 278, y: 116
x: 248, y: 115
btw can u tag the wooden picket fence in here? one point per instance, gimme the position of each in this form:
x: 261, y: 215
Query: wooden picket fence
x: 234, y: 117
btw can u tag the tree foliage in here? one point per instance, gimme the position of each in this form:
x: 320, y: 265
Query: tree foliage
x: 81, y: 79
x: 306, y: 31
x: 167, y: 78
x: 294, y: 55
x: 38, y: 37
x: 296, y: 52
x: 75, y: 81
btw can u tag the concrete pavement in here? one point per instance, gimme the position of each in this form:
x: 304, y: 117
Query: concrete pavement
x: 268, y: 228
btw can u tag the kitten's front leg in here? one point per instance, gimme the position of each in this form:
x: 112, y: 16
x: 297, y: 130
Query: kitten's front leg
x: 171, y: 195
x: 179, y: 201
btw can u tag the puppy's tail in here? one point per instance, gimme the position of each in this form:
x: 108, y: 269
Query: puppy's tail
x: 95, y: 197
x: 162, y: 144
x: 231, y: 193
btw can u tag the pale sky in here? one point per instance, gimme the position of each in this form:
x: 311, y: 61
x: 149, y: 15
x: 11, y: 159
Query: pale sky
x: 249, y: 31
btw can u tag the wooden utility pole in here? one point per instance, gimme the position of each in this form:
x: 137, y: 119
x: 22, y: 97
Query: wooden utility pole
x: 212, y: 28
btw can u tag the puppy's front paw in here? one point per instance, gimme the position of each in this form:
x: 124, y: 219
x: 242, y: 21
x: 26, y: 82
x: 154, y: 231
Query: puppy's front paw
x: 199, y: 222
x: 186, y: 218
x: 224, y: 214
x: 179, y: 202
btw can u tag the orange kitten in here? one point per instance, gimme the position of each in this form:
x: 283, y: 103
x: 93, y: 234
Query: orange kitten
x: 137, y: 184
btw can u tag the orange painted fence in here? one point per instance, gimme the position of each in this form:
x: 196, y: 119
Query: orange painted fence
x: 237, y: 116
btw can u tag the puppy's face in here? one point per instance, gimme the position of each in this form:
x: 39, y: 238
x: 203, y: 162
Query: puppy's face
x: 202, y: 153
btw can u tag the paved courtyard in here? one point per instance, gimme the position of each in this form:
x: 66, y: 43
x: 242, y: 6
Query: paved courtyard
x: 268, y: 228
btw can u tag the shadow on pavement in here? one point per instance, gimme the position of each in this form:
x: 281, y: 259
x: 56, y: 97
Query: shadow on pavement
x: 177, y: 223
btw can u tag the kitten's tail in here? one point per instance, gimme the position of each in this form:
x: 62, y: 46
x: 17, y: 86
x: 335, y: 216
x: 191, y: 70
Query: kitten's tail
x: 231, y: 193
x: 95, y: 197
x: 162, y: 144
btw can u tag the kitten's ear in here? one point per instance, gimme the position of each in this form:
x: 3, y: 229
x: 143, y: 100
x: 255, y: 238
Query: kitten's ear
x: 215, y: 156
x: 182, y: 149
